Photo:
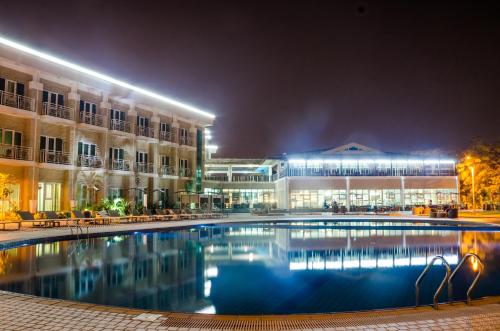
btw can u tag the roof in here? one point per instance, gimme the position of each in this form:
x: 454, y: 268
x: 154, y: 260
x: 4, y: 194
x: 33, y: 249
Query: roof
x: 103, y: 77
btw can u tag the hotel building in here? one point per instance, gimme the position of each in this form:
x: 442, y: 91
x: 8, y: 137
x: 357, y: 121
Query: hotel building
x: 71, y: 136
x: 353, y: 176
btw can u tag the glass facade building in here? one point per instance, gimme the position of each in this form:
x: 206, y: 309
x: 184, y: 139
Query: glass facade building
x: 351, y: 176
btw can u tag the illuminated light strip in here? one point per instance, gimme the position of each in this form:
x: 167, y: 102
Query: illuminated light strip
x: 368, y: 161
x: 103, y: 77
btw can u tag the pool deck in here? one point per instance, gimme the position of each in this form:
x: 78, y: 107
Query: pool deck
x: 24, y: 312
x: 9, y: 237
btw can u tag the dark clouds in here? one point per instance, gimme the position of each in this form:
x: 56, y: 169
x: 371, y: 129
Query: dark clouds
x: 286, y: 76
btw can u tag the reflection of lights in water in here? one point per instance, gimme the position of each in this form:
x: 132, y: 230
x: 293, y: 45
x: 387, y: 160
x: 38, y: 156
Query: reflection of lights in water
x: 212, y: 249
x: 208, y: 287
x: 206, y: 310
x: 388, y: 262
x: 474, y: 263
x: 211, y: 272
x: 245, y: 249
x: 250, y: 257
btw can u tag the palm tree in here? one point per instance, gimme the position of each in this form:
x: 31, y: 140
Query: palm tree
x: 92, y: 182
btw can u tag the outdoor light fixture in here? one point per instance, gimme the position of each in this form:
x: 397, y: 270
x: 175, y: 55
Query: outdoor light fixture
x: 95, y: 74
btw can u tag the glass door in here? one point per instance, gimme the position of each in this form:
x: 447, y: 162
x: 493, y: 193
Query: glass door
x: 49, y: 196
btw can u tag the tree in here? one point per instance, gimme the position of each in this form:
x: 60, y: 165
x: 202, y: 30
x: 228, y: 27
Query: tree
x: 484, y: 158
x: 92, y: 182
x: 6, y: 204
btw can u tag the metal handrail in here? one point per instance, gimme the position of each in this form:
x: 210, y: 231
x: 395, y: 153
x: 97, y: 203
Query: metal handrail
x: 60, y: 111
x: 16, y: 152
x: 92, y: 119
x: 119, y: 125
x: 474, y: 282
x: 145, y: 131
x: 441, y: 286
x: 16, y: 101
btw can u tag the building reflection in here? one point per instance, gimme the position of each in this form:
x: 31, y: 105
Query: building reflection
x: 175, y: 271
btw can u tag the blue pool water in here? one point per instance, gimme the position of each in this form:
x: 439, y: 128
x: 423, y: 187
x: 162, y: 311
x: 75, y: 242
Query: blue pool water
x: 254, y: 268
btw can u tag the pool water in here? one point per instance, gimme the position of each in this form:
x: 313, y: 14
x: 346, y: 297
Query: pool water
x: 253, y: 268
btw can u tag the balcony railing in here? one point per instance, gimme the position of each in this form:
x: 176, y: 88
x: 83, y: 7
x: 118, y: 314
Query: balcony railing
x: 250, y: 178
x: 238, y: 178
x: 217, y: 178
x: 166, y: 171
x: 16, y: 152
x: 51, y: 109
x: 118, y: 125
x: 186, y: 140
x: 185, y: 172
x: 145, y: 131
x: 167, y: 136
x: 298, y: 172
x: 92, y: 119
x: 89, y: 161
x: 16, y: 101
x: 122, y: 165
x: 50, y: 156
x: 148, y: 168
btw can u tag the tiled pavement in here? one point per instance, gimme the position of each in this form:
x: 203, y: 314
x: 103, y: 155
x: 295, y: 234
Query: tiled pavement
x: 22, y: 312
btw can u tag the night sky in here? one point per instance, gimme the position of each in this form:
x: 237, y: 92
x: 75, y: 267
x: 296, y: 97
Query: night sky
x: 287, y: 76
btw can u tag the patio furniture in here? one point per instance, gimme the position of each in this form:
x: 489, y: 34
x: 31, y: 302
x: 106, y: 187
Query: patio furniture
x: 28, y: 217
x: 4, y: 223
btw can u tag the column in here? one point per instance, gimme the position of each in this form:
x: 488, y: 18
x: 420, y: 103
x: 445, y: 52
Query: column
x: 155, y: 123
x: 105, y: 110
x: 32, y: 140
x: 348, y: 193
x: 403, y: 202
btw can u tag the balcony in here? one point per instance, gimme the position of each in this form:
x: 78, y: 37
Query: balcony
x: 89, y: 161
x: 301, y: 172
x: 250, y: 178
x: 185, y: 140
x: 55, y: 157
x: 238, y: 178
x: 92, y: 119
x: 145, y: 131
x: 167, y: 136
x: 17, y: 101
x: 16, y: 152
x: 121, y: 126
x: 145, y: 168
x: 185, y: 172
x: 120, y: 165
x: 58, y: 111
x: 166, y: 171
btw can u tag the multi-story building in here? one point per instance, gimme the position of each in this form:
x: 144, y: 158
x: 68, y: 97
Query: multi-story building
x: 71, y: 136
x: 352, y: 176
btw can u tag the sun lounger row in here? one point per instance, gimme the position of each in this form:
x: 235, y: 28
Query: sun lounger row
x: 52, y: 219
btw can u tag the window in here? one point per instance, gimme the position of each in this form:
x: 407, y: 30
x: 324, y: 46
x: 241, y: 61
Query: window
x: 141, y: 157
x: 117, y: 115
x: 142, y: 121
x: 10, y: 137
x: 116, y: 154
x: 88, y: 107
x: 183, y: 163
x: 115, y: 193
x: 51, y: 144
x: 86, y: 149
x: 53, y: 98
x: 183, y: 134
x: 11, y: 86
x: 49, y: 196
x: 164, y: 127
x: 164, y: 160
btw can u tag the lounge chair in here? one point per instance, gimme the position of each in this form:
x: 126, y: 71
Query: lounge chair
x: 80, y: 216
x: 26, y: 216
x: 4, y: 223
x: 136, y: 217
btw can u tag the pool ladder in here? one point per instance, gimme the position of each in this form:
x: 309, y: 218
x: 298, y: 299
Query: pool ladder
x: 448, y: 277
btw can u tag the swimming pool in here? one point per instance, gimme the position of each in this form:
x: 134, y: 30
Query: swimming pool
x: 259, y: 268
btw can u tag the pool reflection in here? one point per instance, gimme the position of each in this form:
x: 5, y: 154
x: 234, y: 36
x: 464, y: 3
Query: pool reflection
x: 247, y: 270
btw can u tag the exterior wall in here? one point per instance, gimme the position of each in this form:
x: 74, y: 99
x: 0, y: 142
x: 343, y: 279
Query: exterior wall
x: 32, y: 173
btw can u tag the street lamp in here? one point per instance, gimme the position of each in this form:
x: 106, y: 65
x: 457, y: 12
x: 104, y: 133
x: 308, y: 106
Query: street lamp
x: 473, y: 191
